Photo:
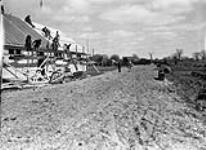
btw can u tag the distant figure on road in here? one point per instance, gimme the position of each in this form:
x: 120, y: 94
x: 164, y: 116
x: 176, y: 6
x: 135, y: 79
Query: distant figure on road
x: 119, y: 66
x: 129, y: 65
x: 28, y: 20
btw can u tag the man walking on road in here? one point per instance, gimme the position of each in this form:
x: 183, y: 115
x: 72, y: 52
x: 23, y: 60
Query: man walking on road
x: 119, y: 66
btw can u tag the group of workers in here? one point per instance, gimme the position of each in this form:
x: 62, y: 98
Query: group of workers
x: 29, y: 44
x: 36, y: 44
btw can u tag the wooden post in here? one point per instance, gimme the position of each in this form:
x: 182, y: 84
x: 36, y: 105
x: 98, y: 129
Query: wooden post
x: 1, y: 56
x: 76, y: 49
x: 27, y: 65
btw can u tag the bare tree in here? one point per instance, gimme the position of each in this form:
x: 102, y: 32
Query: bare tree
x: 179, y: 53
x: 135, y: 56
x: 151, y: 56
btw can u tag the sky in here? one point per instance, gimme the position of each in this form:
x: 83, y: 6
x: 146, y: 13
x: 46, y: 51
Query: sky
x: 123, y: 27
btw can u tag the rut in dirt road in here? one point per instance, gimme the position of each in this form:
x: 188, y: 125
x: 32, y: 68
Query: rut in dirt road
x: 127, y: 110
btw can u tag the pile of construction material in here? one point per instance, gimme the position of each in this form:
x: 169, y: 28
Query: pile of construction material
x: 46, y: 73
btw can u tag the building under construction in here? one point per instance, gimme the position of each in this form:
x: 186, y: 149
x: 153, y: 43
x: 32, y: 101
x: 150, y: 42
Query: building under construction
x: 24, y: 64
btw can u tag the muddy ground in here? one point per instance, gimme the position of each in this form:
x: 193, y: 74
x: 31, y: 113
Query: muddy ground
x: 112, y: 111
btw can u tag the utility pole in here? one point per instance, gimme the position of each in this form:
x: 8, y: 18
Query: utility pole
x: 93, y: 52
x: 76, y: 48
x: 151, y: 57
x: 88, y: 46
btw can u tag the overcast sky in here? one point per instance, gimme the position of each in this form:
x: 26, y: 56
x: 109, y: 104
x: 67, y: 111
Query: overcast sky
x: 123, y: 27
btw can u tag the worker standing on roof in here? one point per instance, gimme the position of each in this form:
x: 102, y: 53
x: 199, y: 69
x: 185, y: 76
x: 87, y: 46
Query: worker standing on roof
x: 68, y: 49
x: 28, y: 20
x: 47, y: 32
x: 57, y: 35
x: 2, y: 9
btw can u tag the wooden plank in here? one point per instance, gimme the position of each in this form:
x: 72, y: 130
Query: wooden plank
x: 11, y: 72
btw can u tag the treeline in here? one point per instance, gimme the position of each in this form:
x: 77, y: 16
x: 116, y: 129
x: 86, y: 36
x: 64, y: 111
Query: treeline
x: 105, y: 60
x: 197, y: 59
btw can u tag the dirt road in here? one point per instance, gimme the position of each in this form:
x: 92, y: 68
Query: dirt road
x: 113, y: 111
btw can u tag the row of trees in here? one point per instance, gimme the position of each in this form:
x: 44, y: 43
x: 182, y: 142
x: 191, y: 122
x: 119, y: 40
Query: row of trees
x: 105, y: 60
x: 178, y: 55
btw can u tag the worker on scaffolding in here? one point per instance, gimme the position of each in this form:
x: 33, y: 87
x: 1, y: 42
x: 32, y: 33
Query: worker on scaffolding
x: 57, y: 35
x: 36, y: 44
x: 28, y: 47
x: 28, y: 43
x: 55, y: 44
x: 68, y: 50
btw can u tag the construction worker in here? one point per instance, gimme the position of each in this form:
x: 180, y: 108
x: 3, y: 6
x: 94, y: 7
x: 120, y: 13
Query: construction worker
x: 2, y: 9
x: 36, y: 44
x: 57, y: 35
x: 28, y: 42
x: 28, y: 20
x: 55, y: 43
x: 119, y: 66
x: 47, y: 32
x: 130, y: 65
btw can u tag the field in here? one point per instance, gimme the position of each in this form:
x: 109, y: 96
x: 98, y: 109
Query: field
x: 187, y: 84
x: 112, y: 111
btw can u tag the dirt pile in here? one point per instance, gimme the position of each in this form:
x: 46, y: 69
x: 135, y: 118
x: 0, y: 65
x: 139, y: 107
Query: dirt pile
x: 128, y: 110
